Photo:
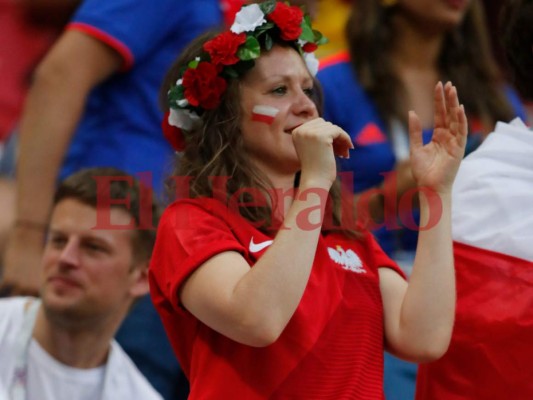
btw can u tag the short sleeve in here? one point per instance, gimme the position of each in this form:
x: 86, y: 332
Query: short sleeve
x: 188, y: 235
x: 136, y: 28
x: 380, y: 258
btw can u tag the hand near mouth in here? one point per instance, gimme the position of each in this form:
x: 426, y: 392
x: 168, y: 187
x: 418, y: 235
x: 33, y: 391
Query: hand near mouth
x: 317, y: 142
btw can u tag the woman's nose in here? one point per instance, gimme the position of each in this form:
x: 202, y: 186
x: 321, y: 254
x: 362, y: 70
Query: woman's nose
x: 304, y: 105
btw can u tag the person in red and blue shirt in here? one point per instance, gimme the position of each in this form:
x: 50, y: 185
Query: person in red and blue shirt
x: 121, y: 114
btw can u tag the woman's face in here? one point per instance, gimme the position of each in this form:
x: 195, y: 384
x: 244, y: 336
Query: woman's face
x: 435, y: 14
x: 275, y: 99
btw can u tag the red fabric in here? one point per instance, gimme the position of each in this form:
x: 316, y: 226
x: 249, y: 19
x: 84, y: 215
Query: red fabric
x: 334, y: 59
x: 371, y: 134
x: 332, y: 346
x: 21, y: 47
x: 491, y: 353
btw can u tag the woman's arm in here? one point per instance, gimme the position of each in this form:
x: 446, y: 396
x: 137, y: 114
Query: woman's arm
x: 419, y: 315
x: 253, y: 305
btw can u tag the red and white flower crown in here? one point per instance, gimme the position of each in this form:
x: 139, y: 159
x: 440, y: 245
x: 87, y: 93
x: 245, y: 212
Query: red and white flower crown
x: 229, y: 55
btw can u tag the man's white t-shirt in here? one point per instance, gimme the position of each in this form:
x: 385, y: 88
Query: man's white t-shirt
x: 49, y: 379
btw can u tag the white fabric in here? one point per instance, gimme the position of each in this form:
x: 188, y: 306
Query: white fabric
x: 122, y: 380
x: 50, y: 379
x: 493, y: 193
x: 400, y: 140
x: 3, y: 393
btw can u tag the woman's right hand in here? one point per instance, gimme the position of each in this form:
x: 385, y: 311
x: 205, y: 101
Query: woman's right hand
x: 317, y: 142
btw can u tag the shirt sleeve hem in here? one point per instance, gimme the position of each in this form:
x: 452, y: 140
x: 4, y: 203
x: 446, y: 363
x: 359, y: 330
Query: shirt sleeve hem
x: 107, y: 39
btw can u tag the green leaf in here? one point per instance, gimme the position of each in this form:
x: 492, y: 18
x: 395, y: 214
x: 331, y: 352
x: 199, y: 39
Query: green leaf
x: 319, y: 38
x: 263, y: 28
x: 268, y: 6
x: 193, y: 64
x: 250, y: 50
x: 268, y: 42
x: 307, y: 32
x: 174, y: 94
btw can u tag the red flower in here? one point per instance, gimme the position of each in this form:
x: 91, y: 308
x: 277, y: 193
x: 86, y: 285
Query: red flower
x: 203, y: 86
x: 288, y: 19
x: 173, y: 134
x: 309, y: 47
x: 223, y: 48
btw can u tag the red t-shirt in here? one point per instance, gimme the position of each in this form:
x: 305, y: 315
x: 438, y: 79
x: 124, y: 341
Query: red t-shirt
x: 331, y: 348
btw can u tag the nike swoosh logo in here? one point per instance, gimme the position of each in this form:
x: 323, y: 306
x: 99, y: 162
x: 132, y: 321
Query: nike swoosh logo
x: 255, y: 247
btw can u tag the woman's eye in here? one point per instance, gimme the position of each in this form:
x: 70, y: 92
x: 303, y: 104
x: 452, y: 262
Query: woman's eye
x: 309, y: 92
x: 280, y: 90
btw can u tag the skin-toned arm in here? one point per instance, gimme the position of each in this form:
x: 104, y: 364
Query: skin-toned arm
x: 54, y: 106
x: 253, y: 305
x: 419, y: 316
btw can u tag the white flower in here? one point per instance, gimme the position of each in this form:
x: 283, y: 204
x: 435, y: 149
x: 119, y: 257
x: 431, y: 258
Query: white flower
x: 249, y: 18
x: 312, y: 63
x: 183, y: 119
x: 182, y: 103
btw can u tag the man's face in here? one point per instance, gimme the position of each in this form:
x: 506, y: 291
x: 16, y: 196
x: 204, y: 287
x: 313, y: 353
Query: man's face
x: 89, y: 274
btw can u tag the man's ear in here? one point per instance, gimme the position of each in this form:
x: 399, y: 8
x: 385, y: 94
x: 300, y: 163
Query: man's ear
x: 140, y: 279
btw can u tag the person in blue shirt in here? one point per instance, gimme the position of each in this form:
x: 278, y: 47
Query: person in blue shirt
x: 398, y: 50
x: 94, y: 103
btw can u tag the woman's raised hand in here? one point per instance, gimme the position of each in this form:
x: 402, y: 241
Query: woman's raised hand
x: 435, y: 164
x: 317, y: 142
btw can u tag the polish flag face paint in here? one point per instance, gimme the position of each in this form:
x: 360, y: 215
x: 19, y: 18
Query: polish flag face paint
x: 264, y: 114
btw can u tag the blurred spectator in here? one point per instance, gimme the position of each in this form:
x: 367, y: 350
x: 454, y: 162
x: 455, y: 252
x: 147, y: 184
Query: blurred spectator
x: 398, y: 50
x: 27, y: 31
x: 61, y: 347
x: 94, y: 103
